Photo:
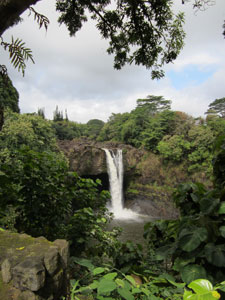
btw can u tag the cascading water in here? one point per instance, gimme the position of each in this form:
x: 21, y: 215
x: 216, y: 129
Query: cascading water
x: 115, y: 172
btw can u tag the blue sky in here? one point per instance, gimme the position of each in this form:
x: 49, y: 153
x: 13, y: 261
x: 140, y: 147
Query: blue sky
x: 76, y: 73
x: 190, y: 76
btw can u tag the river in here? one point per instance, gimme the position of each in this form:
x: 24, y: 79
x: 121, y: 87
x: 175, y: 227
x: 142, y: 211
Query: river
x: 133, y: 229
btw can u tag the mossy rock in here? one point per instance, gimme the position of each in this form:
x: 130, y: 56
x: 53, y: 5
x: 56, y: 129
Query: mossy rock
x: 17, y: 246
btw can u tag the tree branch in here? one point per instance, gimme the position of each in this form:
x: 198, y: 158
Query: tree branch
x: 10, y: 11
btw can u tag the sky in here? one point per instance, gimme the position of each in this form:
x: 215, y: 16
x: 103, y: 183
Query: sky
x: 76, y: 74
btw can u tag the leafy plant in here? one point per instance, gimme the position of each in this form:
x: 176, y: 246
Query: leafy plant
x: 202, y: 289
x: 86, y: 232
x: 194, y: 245
x: 106, y: 283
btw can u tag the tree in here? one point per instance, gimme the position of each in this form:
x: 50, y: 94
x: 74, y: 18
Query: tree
x: 217, y: 107
x: 9, y: 96
x: 57, y: 115
x: 111, y: 131
x: 68, y: 130
x: 156, y: 128
x: 93, y: 128
x: 153, y: 104
x: 30, y: 130
x: 142, y: 32
x: 41, y: 112
x: 173, y: 148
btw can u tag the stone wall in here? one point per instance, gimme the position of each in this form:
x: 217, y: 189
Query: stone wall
x: 32, y: 268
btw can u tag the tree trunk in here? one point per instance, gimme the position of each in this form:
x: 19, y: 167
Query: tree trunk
x: 10, y: 10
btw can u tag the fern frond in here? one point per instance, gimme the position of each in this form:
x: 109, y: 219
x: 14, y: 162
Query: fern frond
x: 41, y: 19
x: 18, y: 53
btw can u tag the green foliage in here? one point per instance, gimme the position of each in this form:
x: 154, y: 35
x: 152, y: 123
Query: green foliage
x: 68, y: 130
x: 143, y: 33
x: 216, y: 124
x: 38, y: 194
x: 219, y: 162
x: 173, y: 148
x: 202, y: 289
x: 195, y: 147
x: 153, y: 104
x: 144, y: 126
x: 112, y: 129
x: 194, y: 244
x: 34, y: 183
x: 86, y: 232
x: 107, y: 283
x: 29, y: 130
x: 217, y: 107
x: 201, y: 143
x: 57, y: 115
x: 9, y: 96
x: 93, y: 128
x: 41, y: 112
x: 156, y: 128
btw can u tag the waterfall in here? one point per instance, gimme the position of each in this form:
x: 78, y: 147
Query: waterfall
x: 115, y: 172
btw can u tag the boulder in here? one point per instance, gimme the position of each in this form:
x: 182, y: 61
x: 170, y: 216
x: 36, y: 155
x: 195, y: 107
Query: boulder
x: 32, y: 268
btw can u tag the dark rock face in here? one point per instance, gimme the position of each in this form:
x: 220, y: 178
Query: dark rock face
x: 88, y: 157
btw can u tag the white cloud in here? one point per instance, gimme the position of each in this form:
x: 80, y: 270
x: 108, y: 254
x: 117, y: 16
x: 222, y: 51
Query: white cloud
x: 76, y: 73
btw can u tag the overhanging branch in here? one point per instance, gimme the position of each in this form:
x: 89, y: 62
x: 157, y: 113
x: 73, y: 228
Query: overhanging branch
x: 10, y: 11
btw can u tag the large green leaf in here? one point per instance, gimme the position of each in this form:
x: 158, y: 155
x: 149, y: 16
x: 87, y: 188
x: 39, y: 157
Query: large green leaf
x: 208, y: 204
x: 215, y: 254
x: 126, y: 294
x: 131, y: 280
x: 201, y: 286
x: 190, y: 239
x: 188, y: 295
x: 192, y: 272
x: 180, y: 262
x: 221, y: 210
x: 106, y: 286
x: 98, y: 270
x: 164, y: 251
x: 110, y: 276
x: 94, y: 285
x: 84, y: 262
x: 213, y: 295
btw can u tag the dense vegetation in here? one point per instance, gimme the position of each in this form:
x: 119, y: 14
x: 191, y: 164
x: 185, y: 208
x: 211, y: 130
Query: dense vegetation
x: 175, y: 137
x: 39, y: 195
